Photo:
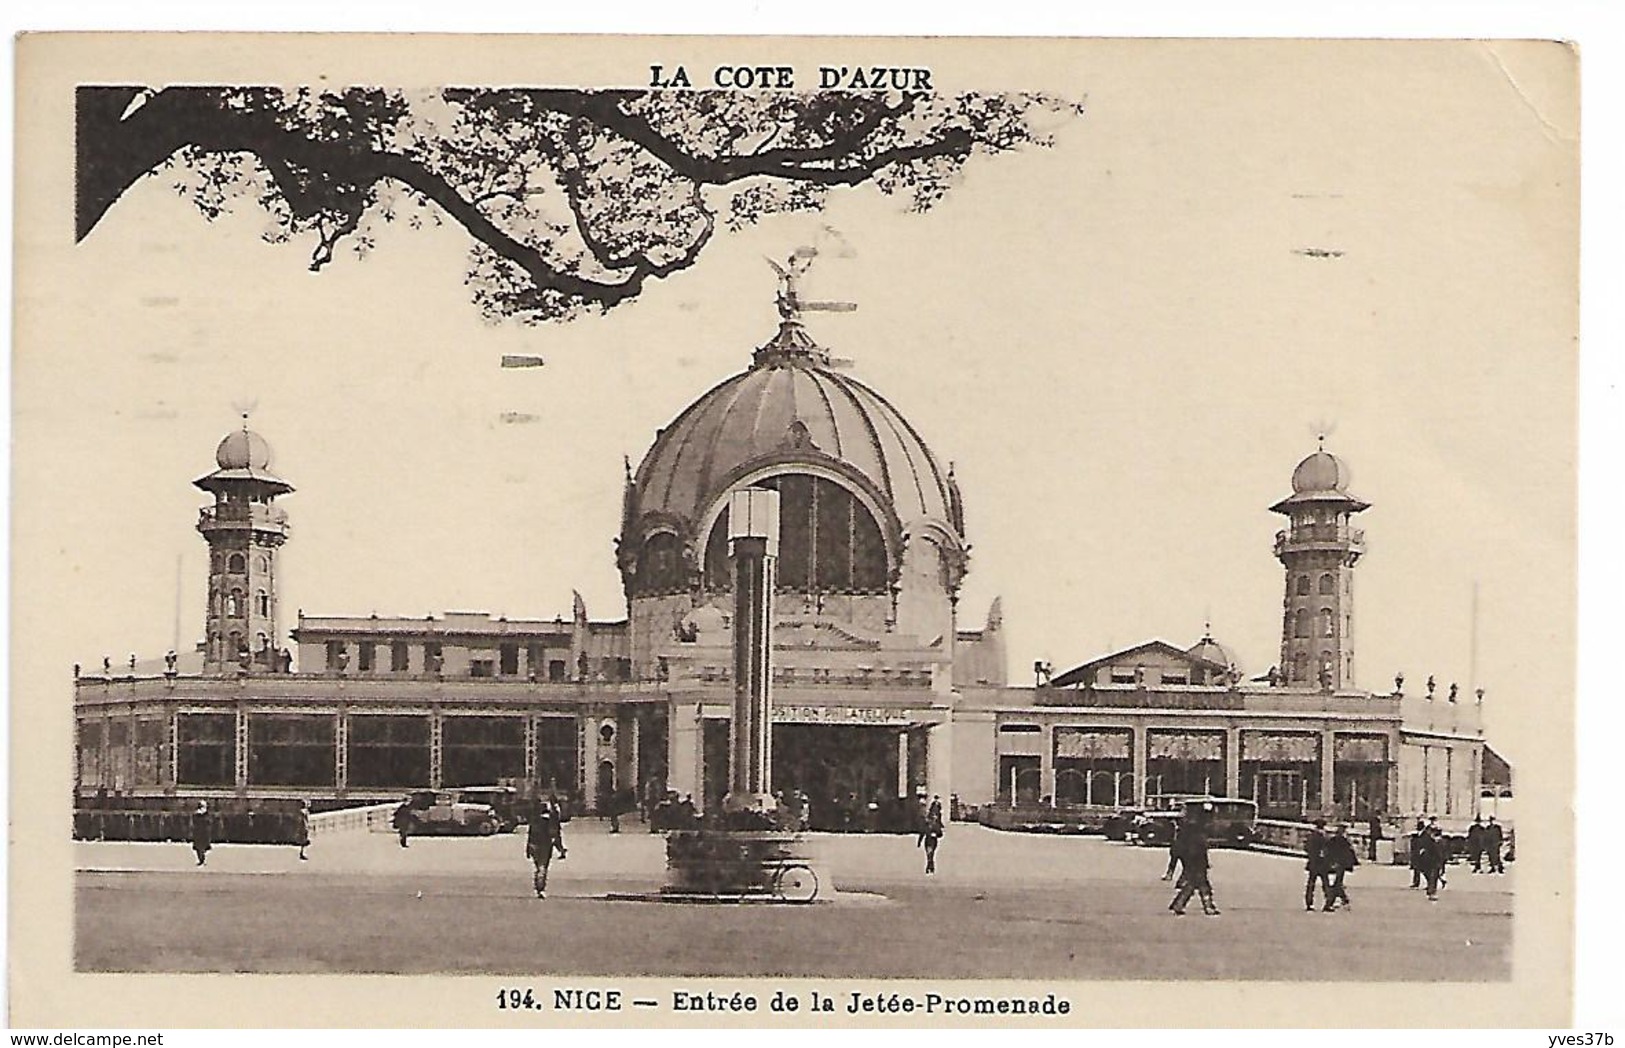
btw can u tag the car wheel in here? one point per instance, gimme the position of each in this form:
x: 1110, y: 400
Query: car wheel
x: 487, y: 828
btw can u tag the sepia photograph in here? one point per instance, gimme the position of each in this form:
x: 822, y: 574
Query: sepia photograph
x: 922, y: 531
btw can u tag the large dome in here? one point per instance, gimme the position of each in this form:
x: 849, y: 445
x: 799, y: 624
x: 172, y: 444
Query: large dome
x: 792, y: 407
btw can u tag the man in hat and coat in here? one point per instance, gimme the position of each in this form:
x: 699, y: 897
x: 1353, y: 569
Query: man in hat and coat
x: 1494, y: 837
x: 1316, y: 864
x: 1190, y: 847
x: 1340, y: 859
x: 542, y: 839
x: 202, y: 832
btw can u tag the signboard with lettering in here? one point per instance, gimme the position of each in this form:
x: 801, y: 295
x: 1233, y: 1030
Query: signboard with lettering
x: 877, y: 715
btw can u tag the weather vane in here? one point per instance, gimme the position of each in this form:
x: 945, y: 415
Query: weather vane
x: 1322, y: 429
x: 791, y: 305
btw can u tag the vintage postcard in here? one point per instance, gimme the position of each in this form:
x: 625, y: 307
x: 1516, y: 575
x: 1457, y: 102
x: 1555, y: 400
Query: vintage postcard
x: 793, y: 532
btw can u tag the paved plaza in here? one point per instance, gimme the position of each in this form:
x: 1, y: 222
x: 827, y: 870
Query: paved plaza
x: 1003, y: 905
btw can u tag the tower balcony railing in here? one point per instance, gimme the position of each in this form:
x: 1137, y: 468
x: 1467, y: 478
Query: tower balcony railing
x: 1312, y: 536
x: 228, y: 516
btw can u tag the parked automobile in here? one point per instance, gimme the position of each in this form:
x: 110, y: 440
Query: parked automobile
x: 1231, y: 821
x: 504, y: 800
x: 442, y: 812
x: 1122, y: 824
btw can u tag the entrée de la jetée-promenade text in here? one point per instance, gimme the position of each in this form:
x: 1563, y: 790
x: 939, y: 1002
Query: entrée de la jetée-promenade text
x: 849, y: 1002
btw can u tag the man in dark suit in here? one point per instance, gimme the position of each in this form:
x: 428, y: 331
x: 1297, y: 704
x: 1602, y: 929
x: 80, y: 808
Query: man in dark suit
x: 1493, y: 839
x: 1340, y: 859
x: 1314, y: 854
x: 544, y: 836
x: 1190, y: 847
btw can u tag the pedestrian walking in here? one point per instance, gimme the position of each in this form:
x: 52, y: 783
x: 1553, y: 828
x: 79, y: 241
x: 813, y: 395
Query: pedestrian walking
x: 1373, y: 835
x: 402, y: 821
x: 544, y: 836
x: 1190, y: 847
x: 1494, y: 838
x: 302, y: 830
x: 1340, y: 859
x: 1475, y: 844
x: 930, y: 836
x: 1318, y: 868
x: 202, y: 832
x: 1431, y: 856
x: 1416, y: 852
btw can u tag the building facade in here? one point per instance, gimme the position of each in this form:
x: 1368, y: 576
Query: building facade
x: 877, y: 691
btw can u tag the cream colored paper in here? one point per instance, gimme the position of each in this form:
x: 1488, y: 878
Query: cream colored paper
x: 1121, y: 342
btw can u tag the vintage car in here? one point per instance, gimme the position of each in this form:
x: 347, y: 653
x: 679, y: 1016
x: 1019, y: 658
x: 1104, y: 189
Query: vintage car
x: 1122, y: 824
x: 505, y: 801
x: 1232, y: 822
x: 442, y: 812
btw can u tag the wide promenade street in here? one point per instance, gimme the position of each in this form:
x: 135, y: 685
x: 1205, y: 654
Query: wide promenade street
x: 1003, y: 906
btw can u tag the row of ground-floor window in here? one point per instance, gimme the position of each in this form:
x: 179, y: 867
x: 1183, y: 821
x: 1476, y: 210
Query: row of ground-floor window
x: 587, y: 757
x: 1288, y: 773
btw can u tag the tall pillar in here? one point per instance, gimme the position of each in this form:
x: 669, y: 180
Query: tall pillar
x: 435, y: 727
x: 1232, y: 761
x: 1328, y: 759
x: 1046, y: 762
x: 341, y: 749
x: 241, y: 748
x: 1395, y: 801
x: 902, y: 762
x: 753, y: 539
x: 530, y: 749
x: 1139, y: 764
x: 683, y: 742
x: 939, y: 760
x: 587, y: 746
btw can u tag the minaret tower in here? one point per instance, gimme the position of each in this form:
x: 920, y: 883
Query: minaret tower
x: 244, y: 530
x: 1319, y: 549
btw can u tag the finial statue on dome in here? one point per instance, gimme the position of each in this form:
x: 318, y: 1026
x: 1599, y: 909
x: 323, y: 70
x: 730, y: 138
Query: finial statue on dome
x: 791, y: 304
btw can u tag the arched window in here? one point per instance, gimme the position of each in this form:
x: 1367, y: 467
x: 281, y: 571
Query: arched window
x: 828, y: 540
x: 261, y: 563
x: 1328, y: 584
x: 660, y: 566
x: 235, y: 563
x: 1303, y: 585
x: 1328, y: 623
x: 262, y: 602
x: 1300, y: 625
x: 1300, y: 666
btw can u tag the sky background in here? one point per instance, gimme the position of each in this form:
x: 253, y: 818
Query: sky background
x: 1115, y: 341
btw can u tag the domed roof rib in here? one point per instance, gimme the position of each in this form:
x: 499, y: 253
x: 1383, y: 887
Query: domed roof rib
x: 844, y: 386
x: 687, y: 429
x: 839, y: 450
x: 647, y: 475
x: 931, y: 460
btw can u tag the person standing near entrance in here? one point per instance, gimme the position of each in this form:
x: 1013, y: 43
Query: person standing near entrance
x: 1475, y: 844
x: 544, y: 836
x: 930, y: 836
x: 1190, y: 847
x: 1373, y: 835
x: 1340, y: 859
x: 202, y: 832
x: 1318, y: 867
x: 1494, y: 838
x: 1416, y: 852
